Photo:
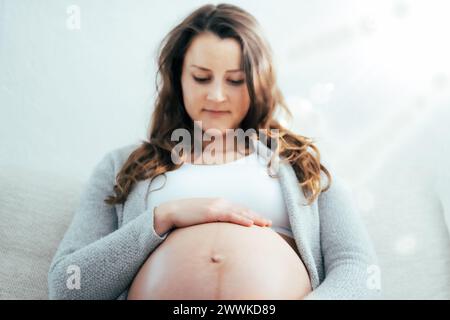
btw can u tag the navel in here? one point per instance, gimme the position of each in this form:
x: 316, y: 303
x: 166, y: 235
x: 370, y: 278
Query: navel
x: 216, y: 258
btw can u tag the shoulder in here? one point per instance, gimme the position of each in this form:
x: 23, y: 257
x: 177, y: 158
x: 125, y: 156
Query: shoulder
x: 338, y: 186
x: 115, y: 158
x: 339, y: 189
x: 120, y: 154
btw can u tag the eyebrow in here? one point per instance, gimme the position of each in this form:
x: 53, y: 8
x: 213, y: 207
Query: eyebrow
x: 206, y: 69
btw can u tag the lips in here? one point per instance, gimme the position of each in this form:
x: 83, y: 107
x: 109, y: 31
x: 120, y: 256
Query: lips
x: 215, y: 111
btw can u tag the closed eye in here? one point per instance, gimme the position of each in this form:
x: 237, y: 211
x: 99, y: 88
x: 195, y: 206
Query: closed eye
x: 204, y: 80
x: 201, y: 79
x: 237, y: 82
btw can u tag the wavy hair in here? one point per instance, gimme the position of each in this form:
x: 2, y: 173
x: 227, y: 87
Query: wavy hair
x: 153, y: 157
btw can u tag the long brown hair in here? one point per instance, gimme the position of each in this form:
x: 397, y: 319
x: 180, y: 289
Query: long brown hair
x: 153, y: 157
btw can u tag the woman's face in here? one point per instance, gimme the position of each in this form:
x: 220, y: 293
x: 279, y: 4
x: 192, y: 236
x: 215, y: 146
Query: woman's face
x: 212, y: 79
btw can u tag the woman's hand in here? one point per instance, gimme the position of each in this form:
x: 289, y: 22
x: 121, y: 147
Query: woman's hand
x: 186, y: 212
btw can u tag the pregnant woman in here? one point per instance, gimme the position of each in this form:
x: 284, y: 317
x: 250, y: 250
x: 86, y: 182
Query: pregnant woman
x: 157, y: 223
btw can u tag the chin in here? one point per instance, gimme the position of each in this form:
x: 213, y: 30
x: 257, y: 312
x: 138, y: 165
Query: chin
x: 214, y: 128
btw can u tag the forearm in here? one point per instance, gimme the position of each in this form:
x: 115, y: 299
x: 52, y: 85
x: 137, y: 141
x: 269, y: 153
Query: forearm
x: 105, y: 266
x: 348, y: 282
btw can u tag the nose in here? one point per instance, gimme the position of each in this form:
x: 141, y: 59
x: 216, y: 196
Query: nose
x: 216, y: 93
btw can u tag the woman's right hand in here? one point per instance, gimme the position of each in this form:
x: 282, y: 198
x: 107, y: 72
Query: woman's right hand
x: 191, y: 211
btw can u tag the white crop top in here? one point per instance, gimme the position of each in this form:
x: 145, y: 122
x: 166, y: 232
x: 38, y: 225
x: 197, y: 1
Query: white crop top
x: 244, y: 181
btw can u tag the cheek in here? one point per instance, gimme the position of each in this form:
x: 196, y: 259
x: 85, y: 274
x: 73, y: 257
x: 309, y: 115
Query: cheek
x: 192, y: 97
x: 242, y: 102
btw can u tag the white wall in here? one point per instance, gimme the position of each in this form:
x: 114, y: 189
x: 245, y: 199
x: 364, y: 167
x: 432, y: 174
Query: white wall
x: 68, y: 96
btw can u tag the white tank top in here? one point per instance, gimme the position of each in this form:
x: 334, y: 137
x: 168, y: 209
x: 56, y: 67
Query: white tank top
x: 244, y: 181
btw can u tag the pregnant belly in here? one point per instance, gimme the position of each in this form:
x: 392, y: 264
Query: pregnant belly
x: 222, y: 261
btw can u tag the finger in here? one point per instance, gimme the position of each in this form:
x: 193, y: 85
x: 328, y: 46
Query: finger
x: 240, y: 219
x: 259, y: 220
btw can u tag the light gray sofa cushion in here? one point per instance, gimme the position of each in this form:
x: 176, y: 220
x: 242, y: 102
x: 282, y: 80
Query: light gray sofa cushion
x: 35, y: 210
